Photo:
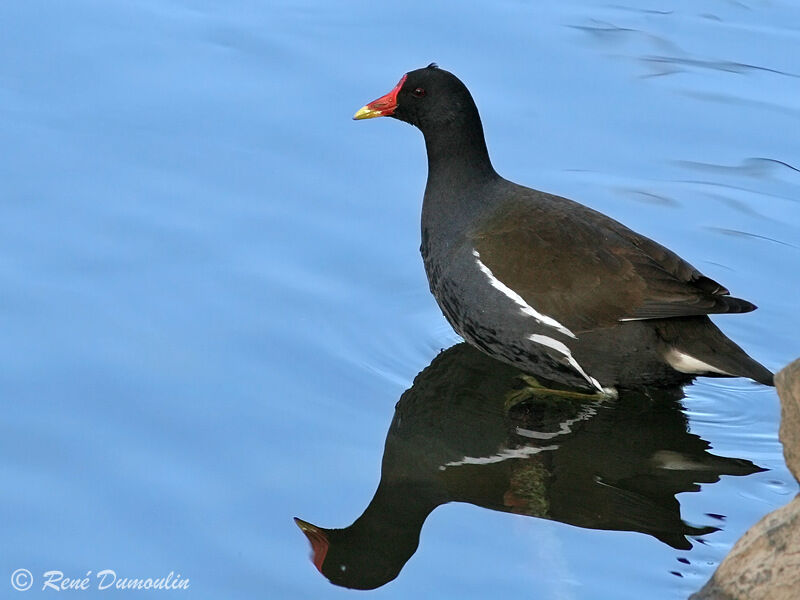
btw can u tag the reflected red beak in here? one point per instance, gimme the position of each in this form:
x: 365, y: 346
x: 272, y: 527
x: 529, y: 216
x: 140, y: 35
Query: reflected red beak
x: 319, y: 542
x: 383, y: 106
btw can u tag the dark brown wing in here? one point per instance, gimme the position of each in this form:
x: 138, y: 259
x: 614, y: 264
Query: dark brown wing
x: 687, y: 291
x: 588, y: 271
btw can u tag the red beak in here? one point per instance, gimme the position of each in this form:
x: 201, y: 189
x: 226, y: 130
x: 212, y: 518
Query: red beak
x: 319, y: 542
x: 383, y: 106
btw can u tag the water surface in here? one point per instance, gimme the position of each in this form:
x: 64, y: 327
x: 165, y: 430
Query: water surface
x: 212, y: 296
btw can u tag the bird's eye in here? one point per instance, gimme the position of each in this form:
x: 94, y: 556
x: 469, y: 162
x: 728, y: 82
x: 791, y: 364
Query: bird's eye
x: 418, y: 92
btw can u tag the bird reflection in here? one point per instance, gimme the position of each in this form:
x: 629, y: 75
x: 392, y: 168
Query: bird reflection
x: 472, y: 429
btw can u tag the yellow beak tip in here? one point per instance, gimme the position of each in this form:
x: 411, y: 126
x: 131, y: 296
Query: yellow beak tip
x: 366, y: 113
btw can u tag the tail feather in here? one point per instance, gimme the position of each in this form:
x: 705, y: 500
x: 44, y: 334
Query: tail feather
x: 696, y: 346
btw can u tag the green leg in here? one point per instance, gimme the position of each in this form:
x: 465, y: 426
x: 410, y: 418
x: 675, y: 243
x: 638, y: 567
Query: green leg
x: 533, y: 389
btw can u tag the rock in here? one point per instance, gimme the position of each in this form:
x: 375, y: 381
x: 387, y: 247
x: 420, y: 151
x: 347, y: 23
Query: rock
x: 788, y: 384
x: 765, y: 563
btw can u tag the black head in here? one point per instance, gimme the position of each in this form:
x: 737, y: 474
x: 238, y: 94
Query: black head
x: 425, y: 98
x: 357, y: 557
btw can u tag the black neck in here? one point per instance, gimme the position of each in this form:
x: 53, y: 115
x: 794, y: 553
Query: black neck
x: 398, y: 508
x: 457, y: 148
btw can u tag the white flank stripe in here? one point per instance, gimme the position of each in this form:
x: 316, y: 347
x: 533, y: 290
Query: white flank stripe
x: 504, y: 454
x: 526, y: 308
x: 561, y: 348
x: 564, y: 427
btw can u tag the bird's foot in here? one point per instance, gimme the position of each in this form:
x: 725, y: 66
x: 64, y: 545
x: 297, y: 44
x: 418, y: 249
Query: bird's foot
x: 533, y: 388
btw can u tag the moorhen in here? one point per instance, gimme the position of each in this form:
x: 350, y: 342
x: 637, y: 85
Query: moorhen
x: 471, y: 429
x: 544, y: 283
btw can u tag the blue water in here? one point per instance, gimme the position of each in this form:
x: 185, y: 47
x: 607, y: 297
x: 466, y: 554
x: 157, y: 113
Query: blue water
x: 211, y: 296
